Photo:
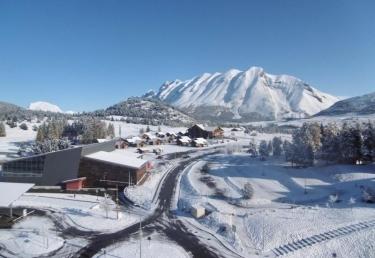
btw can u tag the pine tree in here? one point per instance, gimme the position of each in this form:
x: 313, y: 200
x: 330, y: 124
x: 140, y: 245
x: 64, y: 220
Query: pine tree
x: 351, y: 143
x: 330, y: 142
x: 305, y: 144
x: 276, y: 146
x: 111, y: 130
x: 369, y: 141
x: 2, y: 130
x: 148, y: 129
x: 263, y: 149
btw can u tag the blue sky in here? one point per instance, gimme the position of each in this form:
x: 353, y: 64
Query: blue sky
x: 84, y: 55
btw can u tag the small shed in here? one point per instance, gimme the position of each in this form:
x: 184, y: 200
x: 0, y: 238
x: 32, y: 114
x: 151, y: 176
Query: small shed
x: 75, y: 184
x: 198, y: 211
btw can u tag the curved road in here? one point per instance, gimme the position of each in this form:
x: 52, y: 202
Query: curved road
x: 161, y: 221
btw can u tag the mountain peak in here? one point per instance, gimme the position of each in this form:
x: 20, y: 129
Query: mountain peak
x: 44, y: 106
x: 250, y: 95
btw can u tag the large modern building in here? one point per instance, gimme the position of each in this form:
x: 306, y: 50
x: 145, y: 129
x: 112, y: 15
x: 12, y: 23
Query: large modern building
x: 98, y: 162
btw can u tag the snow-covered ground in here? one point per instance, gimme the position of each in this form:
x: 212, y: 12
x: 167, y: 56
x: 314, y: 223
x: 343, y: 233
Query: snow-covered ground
x: 279, y: 211
x: 84, y: 212
x: 154, y: 247
x: 10, y: 144
x: 31, y: 237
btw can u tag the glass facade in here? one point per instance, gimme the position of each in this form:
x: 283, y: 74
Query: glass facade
x: 25, y: 167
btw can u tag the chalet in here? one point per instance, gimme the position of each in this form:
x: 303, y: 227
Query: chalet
x: 215, y: 132
x: 170, y: 137
x: 160, y: 134
x: 135, y: 141
x: 121, y: 143
x: 183, y: 141
x: 199, y: 142
x: 198, y: 131
x: 147, y: 136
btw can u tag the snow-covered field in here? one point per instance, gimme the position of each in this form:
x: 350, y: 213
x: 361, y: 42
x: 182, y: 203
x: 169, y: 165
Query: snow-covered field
x: 279, y: 211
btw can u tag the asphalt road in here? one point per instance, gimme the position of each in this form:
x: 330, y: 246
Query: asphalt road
x: 160, y: 221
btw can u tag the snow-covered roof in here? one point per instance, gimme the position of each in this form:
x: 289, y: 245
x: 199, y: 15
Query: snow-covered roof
x: 74, y: 180
x: 212, y: 128
x: 102, y: 140
x: 118, y: 158
x: 134, y: 139
x: 10, y: 192
x: 185, y: 139
x: 200, y: 141
x: 200, y: 126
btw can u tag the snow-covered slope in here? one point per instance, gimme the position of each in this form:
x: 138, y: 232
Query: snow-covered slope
x: 361, y: 105
x: 146, y: 111
x: 44, y: 106
x: 245, y: 96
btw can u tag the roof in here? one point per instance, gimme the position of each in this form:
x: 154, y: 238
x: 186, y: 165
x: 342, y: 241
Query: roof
x: 134, y: 139
x: 10, y: 192
x: 102, y: 140
x: 200, y: 141
x: 118, y: 158
x: 74, y: 180
x: 200, y: 126
x: 213, y: 128
x: 185, y: 139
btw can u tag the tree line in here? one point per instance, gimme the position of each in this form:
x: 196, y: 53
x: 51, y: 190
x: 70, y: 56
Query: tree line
x: 349, y: 143
x: 58, y: 134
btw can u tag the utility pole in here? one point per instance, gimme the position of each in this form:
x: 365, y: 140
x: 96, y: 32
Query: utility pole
x: 140, y: 238
x: 117, y: 207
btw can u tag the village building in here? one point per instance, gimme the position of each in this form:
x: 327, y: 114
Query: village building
x: 200, y: 142
x: 135, y: 141
x: 215, y: 132
x: 121, y: 143
x: 198, y: 131
x: 183, y: 141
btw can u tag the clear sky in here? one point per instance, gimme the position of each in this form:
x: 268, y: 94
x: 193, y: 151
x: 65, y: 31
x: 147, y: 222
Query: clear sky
x: 87, y: 54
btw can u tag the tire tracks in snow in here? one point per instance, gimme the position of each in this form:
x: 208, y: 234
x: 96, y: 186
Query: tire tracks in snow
x: 319, y: 238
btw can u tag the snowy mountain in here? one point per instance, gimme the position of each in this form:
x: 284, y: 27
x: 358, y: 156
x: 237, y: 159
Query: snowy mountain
x: 145, y: 111
x: 361, y: 105
x: 251, y: 95
x: 44, y: 106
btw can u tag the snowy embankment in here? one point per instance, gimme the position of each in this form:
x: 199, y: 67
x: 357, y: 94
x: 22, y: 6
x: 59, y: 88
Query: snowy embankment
x: 287, y: 204
x: 84, y: 212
